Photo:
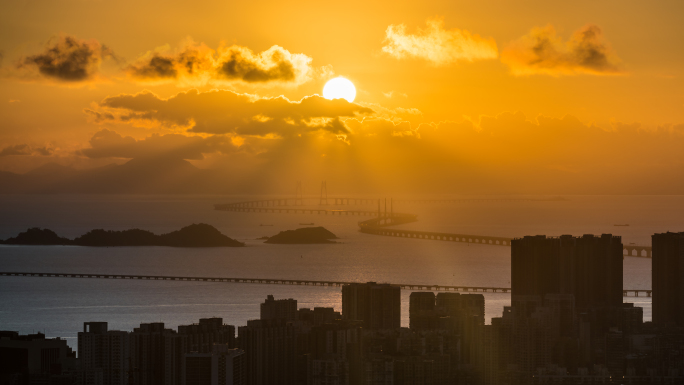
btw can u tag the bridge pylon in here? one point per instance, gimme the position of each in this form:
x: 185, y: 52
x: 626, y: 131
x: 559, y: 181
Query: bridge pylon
x: 324, y: 194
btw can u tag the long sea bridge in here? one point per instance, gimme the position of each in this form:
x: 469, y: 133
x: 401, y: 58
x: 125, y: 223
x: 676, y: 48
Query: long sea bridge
x: 381, y: 220
x: 276, y: 281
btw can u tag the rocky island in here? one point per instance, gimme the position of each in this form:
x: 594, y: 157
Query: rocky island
x: 303, y: 236
x: 195, y: 235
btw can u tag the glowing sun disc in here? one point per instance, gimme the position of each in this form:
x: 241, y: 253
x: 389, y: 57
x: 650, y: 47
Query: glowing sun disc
x: 339, y: 88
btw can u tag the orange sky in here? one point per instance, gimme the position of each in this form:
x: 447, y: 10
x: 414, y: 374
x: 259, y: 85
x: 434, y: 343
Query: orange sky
x: 582, y: 92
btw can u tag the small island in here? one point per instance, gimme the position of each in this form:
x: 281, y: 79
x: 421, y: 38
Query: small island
x: 195, y: 235
x: 303, y: 236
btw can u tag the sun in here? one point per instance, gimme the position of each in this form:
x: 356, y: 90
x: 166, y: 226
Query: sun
x: 339, y: 88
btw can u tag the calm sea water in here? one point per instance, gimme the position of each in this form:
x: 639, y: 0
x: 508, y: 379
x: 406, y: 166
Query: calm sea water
x: 59, y: 306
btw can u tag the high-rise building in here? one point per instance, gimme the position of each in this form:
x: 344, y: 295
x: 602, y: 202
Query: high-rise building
x: 318, y: 316
x: 448, y: 303
x: 331, y: 354
x: 566, y: 300
x: 588, y: 267
x: 422, y: 314
x: 199, y: 338
x: 34, y: 359
x: 668, y: 278
x: 279, y: 309
x: 270, y: 351
x: 152, y: 358
x: 377, y: 305
x: 104, y: 354
x: 473, y: 306
x: 222, y: 366
x: 209, y: 331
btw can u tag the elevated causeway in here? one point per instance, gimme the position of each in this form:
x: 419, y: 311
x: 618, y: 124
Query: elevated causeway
x: 277, y: 281
x: 380, y: 221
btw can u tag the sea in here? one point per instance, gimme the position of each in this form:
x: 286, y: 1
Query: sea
x: 58, y: 307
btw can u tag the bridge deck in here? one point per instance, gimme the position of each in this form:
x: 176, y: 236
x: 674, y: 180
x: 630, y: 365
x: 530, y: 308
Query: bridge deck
x: 275, y: 281
x: 295, y: 210
x: 378, y: 225
x: 467, y: 238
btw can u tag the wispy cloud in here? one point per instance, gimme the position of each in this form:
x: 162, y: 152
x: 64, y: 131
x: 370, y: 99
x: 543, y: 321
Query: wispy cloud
x: 543, y: 52
x: 438, y: 45
x: 391, y: 94
x: 24, y: 149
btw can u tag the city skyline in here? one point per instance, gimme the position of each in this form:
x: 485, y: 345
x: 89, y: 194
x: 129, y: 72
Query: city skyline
x: 291, y: 345
x: 341, y: 193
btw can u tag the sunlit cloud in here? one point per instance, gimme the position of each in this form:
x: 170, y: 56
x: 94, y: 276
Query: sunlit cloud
x: 67, y: 59
x: 223, y: 111
x: 192, y: 61
x: 197, y: 64
x: 388, y: 147
x: 543, y: 52
x: 438, y: 45
x: 274, y: 64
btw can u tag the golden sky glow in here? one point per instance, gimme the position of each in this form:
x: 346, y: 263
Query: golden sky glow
x: 495, y: 94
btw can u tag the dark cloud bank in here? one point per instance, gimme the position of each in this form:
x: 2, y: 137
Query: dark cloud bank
x: 68, y: 59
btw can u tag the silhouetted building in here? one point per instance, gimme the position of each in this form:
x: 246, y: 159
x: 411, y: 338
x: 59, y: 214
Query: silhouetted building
x: 448, y: 303
x: 377, y: 305
x: 566, y: 301
x: 632, y: 318
x: 279, y: 309
x: 422, y: 315
x: 197, y: 369
x: 104, y: 354
x: 202, y: 336
x: 318, y: 316
x: 405, y: 356
x: 198, y: 338
x: 223, y: 366
x: 472, y: 305
x: 333, y: 354
x: 270, y: 351
x: 668, y: 278
x: 588, y: 267
x: 34, y: 359
x: 152, y: 358
x: 421, y: 370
